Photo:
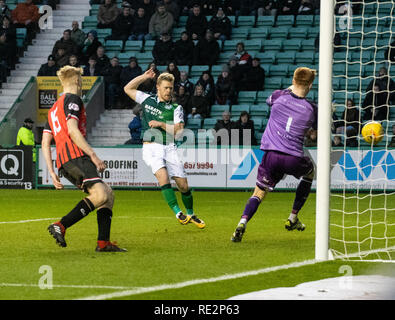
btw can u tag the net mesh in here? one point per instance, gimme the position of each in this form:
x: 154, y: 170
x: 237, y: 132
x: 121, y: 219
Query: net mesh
x: 362, y: 213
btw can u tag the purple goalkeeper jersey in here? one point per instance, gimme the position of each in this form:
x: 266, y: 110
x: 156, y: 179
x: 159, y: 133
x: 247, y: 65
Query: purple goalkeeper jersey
x: 290, y: 118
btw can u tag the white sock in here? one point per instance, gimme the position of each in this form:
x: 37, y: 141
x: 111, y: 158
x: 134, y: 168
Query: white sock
x: 293, y: 217
x: 243, y: 220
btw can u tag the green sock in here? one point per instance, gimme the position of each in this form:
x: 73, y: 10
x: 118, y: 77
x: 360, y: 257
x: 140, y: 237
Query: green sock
x: 187, y: 199
x: 170, y: 197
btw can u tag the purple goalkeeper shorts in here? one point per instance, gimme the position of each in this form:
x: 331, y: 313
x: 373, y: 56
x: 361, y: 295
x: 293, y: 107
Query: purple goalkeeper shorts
x: 275, y: 165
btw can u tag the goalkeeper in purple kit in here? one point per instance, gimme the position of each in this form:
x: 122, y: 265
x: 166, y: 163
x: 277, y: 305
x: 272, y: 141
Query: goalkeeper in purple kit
x: 292, y: 117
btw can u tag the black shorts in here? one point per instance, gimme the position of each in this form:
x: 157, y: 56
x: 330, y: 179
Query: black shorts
x: 81, y: 172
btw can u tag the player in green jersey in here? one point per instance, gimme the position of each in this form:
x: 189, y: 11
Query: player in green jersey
x: 163, y: 120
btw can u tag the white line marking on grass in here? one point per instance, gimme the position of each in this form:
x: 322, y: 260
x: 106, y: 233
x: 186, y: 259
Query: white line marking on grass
x: 179, y: 285
x: 26, y: 221
x: 68, y: 286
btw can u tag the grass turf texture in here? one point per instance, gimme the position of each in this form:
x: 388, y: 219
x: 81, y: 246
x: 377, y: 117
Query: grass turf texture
x: 160, y: 250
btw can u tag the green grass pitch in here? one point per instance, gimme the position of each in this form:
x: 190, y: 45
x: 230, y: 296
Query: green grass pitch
x: 160, y: 250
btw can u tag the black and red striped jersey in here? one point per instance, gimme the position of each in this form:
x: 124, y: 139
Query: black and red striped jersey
x: 67, y: 106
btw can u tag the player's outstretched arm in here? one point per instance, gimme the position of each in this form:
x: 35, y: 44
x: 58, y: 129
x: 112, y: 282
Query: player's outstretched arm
x: 46, y: 147
x: 131, y: 88
x: 79, y: 140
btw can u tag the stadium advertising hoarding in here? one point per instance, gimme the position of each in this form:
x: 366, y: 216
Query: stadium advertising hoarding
x: 16, y: 167
x: 237, y: 168
x: 49, y: 90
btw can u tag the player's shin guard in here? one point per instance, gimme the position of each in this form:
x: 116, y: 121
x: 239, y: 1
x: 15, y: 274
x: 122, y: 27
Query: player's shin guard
x: 170, y: 198
x: 250, y: 208
x: 302, y: 193
x: 187, y: 200
x: 104, y: 216
x: 81, y: 210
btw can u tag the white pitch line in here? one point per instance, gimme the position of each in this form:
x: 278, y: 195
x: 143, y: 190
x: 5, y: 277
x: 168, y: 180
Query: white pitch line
x: 67, y: 286
x: 197, y: 281
x: 26, y: 221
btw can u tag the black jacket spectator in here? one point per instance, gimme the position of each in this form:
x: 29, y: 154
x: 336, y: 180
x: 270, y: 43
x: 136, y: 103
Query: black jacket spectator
x: 207, y: 82
x: 183, y: 50
x: 288, y: 7
x: 102, y: 60
x: 112, y: 73
x: 224, y: 88
x: 130, y: 72
x: 148, y: 6
x: 245, y: 123
x: 306, y: 8
x: 122, y: 26
x: 90, y: 45
x: 255, y: 77
x: 207, y: 50
x: 4, y: 11
x: 196, y: 24
x: 198, y: 104
x: 91, y: 69
x: 375, y: 105
x: 163, y: 51
x: 48, y: 69
x: 247, y: 7
x: 385, y: 83
x: 230, y: 7
x: 140, y: 24
x: 220, y: 25
x: 66, y: 43
x: 224, y: 124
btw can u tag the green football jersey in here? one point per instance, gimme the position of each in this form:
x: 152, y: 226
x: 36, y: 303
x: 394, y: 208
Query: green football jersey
x: 153, y: 109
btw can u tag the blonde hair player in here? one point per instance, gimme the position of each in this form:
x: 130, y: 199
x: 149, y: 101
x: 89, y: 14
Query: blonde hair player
x: 162, y: 121
x: 77, y: 162
x: 292, y: 117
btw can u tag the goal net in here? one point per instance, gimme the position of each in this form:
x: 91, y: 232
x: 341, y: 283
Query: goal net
x: 362, y: 197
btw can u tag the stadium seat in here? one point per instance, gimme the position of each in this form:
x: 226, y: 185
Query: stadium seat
x: 240, y: 33
x: 245, y: 21
x: 308, y: 45
x: 266, y: 57
x: 113, y: 45
x: 286, y: 57
x: 124, y: 58
x: 103, y: 33
x: 230, y: 45
x: 144, y: 57
x: 20, y: 37
x: 280, y: 70
x: 257, y: 123
x: 253, y: 45
x: 292, y: 44
x: 384, y: 8
x: 313, y: 32
x: 298, y: 33
x: 182, y: 21
x: 304, y: 21
x: 258, y: 33
x: 259, y: 110
x: 262, y: 96
x: 183, y: 68
x: 266, y: 67
x: 217, y: 110
x: 304, y: 58
x: 205, y: 137
x: 90, y: 22
x: 209, y: 123
x: 272, y: 45
x: 246, y: 97
x: 194, y: 124
x: 239, y: 108
x: 285, y: 21
x: 149, y: 45
x: 176, y: 33
x: 279, y: 33
x: 258, y: 135
x: 265, y: 21
x: 216, y: 70
x: 133, y: 45
x: 197, y: 70
x: 273, y: 83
